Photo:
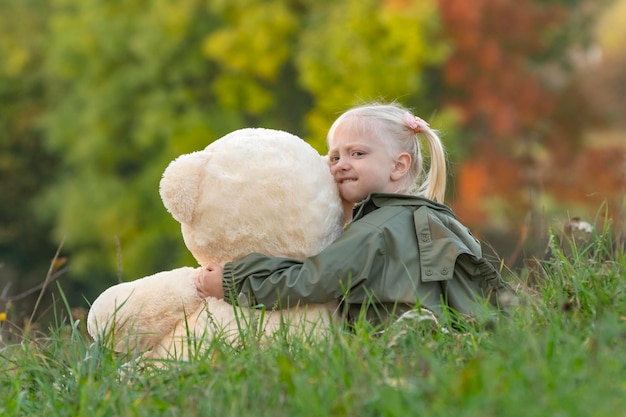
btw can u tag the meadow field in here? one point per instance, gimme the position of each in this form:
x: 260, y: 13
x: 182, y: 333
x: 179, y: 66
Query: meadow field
x: 561, y: 352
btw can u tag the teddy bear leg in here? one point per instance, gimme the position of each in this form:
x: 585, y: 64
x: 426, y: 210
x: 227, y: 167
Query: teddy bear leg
x: 134, y: 316
x: 217, y: 321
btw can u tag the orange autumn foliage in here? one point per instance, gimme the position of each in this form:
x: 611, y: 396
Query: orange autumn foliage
x: 471, y: 186
x: 490, y: 74
x: 523, y: 113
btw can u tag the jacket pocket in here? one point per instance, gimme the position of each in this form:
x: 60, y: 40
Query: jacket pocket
x: 440, y: 243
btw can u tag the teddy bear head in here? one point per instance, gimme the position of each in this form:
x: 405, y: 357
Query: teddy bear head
x: 253, y: 190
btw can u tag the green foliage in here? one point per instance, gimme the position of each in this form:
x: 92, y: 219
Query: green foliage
x: 250, y: 62
x: 132, y: 92
x: 540, y: 359
x: 132, y: 84
x: 357, y: 51
x: 25, y: 165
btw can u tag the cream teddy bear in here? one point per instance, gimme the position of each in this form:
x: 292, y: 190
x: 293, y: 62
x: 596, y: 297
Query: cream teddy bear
x: 253, y: 190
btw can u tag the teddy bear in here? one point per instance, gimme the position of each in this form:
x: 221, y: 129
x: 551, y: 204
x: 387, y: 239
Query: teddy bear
x: 253, y: 190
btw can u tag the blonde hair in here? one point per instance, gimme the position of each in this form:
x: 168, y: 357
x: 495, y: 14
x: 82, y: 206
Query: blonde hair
x: 387, y: 122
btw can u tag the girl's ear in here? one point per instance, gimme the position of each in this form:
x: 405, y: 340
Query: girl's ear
x: 401, y: 166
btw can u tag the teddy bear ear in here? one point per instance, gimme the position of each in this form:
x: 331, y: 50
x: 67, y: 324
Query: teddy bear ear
x: 181, y: 183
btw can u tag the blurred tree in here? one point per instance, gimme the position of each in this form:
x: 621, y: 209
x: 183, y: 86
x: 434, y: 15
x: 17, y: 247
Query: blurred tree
x: 135, y: 83
x: 359, y: 50
x: 509, y: 77
x: 253, y: 46
x: 26, y: 167
x: 610, y: 29
x: 602, y: 81
x: 129, y: 90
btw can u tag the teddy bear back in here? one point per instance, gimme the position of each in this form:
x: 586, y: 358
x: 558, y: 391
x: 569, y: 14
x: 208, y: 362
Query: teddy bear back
x: 253, y: 190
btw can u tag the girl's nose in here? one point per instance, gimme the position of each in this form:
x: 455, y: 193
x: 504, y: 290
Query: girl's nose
x: 342, y: 164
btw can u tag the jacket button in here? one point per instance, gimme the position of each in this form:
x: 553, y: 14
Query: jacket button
x: 429, y: 272
x: 444, y: 271
x: 425, y: 238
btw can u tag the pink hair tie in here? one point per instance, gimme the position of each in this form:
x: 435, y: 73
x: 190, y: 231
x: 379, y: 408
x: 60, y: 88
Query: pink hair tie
x: 413, y: 122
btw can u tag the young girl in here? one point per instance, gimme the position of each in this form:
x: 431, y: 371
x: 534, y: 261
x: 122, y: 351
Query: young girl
x: 402, y: 249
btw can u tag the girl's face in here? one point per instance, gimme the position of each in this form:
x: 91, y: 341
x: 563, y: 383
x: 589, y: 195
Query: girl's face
x: 361, y: 164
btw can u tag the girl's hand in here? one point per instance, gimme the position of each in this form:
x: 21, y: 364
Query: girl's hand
x: 209, y: 281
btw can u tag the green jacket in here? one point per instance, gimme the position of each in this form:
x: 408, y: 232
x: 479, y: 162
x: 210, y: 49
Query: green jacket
x: 399, y: 251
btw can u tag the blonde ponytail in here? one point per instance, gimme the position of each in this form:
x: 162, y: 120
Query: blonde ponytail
x: 434, y: 185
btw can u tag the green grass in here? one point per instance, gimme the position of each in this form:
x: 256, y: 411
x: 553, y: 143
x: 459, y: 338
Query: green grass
x: 562, y: 352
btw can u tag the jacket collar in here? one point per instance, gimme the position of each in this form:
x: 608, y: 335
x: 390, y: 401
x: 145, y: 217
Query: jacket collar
x: 377, y: 200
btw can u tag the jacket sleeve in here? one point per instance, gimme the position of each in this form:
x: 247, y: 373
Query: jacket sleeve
x: 276, y: 282
x: 452, y: 256
x: 475, y: 283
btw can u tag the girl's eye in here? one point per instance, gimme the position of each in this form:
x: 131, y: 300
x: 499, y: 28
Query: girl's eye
x: 358, y: 153
x: 334, y: 158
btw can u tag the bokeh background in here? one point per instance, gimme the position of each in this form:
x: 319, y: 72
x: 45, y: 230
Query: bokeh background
x: 98, y: 96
